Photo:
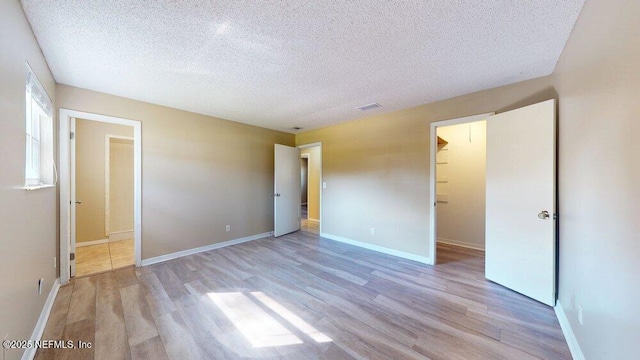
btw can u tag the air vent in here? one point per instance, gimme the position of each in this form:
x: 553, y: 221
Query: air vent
x: 296, y: 128
x: 369, y: 106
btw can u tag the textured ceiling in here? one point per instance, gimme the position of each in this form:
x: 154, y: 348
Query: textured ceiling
x: 280, y: 64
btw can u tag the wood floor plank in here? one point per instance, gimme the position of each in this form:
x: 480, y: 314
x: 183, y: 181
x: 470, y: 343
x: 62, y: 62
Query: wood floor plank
x: 83, y: 300
x: 545, y: 348
x: 178, y: 341
x: 58, y: 314
x: 57, y: 320
x: 322, y: 277
x: 190, y: 262
x: 157, y: 298
x: 79, y: 331
x: 349, y: 276
x: 452, y: 298
x: 184, y: 273
x: 138, y: 318
x: 334, y: 352
x: 152, y: 349
x: 300, y: 296
x: 195, y: 317
x: 172, y: 285
x: 390, y: 330
x: 111, y: 332
x: 126, y: 276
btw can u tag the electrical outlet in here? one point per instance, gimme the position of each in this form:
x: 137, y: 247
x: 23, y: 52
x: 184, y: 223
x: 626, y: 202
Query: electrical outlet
x: 324, y: 185
x: 373, y: 231
x: 40, y: 284
x: 580, y: 311
x: 228, y: 228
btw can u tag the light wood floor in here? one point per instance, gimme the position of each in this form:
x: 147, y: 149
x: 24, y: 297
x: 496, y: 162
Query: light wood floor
x: 99, y: 258
x: 310, y: 226
x: 302, y: 297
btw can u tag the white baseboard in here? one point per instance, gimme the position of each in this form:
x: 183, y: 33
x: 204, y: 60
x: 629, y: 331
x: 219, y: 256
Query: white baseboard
x: 121, y: 235
x: 381, y: 249
x: 461, y: 244
x: 175, y: 255
x: 572, y: 341
x: 92, y: 242
x: 42, y: 320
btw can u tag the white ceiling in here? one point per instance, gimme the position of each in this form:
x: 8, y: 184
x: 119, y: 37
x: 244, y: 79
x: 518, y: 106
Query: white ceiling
x: 280, y: 64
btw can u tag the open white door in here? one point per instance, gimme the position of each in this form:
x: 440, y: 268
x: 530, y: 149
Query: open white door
x: 74, y: 201
x: 286, y: 190
x: 521, y: 201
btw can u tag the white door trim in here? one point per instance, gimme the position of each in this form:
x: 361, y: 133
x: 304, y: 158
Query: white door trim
x: 308, y: 157
x: 304, y: 146
x: 107, y: 179
x: 65, y: 116
x: 433, y: 148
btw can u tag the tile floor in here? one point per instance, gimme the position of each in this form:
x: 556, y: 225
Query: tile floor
x: 95, y: 259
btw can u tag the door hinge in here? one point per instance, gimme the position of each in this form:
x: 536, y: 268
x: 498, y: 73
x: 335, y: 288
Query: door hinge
x: 72, y: 135
x: 72, y: 256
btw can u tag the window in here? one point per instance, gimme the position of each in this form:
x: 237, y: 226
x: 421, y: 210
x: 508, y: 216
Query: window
x: 39, y: 165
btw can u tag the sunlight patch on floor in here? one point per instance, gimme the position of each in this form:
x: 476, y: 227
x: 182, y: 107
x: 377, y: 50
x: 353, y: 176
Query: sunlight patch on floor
x: 257, y: 326
x: 252, y: 321
x: 291, y: 317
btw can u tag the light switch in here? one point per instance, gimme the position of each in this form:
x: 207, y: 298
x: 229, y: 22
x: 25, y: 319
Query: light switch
x: 324, y: 185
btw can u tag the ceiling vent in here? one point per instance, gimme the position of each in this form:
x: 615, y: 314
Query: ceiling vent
x: 296, y: 128
x: 369, y: 106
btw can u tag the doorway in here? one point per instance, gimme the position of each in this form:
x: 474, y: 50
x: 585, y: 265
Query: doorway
x: 104, y: 196
x: 310, y: 187
x: 100, y: 194
x: 460, y: 190
x: 304, y: 186
x: 452, y: 142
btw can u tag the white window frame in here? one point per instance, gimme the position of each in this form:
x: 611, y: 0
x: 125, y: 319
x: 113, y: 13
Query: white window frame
x: 39, y: 134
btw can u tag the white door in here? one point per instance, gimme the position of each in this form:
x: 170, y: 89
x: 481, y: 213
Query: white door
x: 74, y: 201
x: 521, y: 201
x: 286, y: 190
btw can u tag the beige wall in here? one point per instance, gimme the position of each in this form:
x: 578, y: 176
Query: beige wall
x: 460, y: 220
x: 90, y: 176
x: 121, y: 186
x: 199, y: 173
x: 598, y: 79
x: 28, y: 220
x: 377, y: 169
x: 315, y: 167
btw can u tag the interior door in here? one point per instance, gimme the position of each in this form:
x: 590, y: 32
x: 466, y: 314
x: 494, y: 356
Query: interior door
x: 74, y: 201
x: 521, y: 201
x: 286, y: 193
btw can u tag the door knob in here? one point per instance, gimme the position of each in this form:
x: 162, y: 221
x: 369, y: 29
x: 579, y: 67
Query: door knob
x: 544, y: 215
x: 276, y: 195
x: 78, y: 202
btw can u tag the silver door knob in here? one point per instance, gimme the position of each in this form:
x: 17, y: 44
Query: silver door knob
x: 544, y: 215
x: 276, y: 195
